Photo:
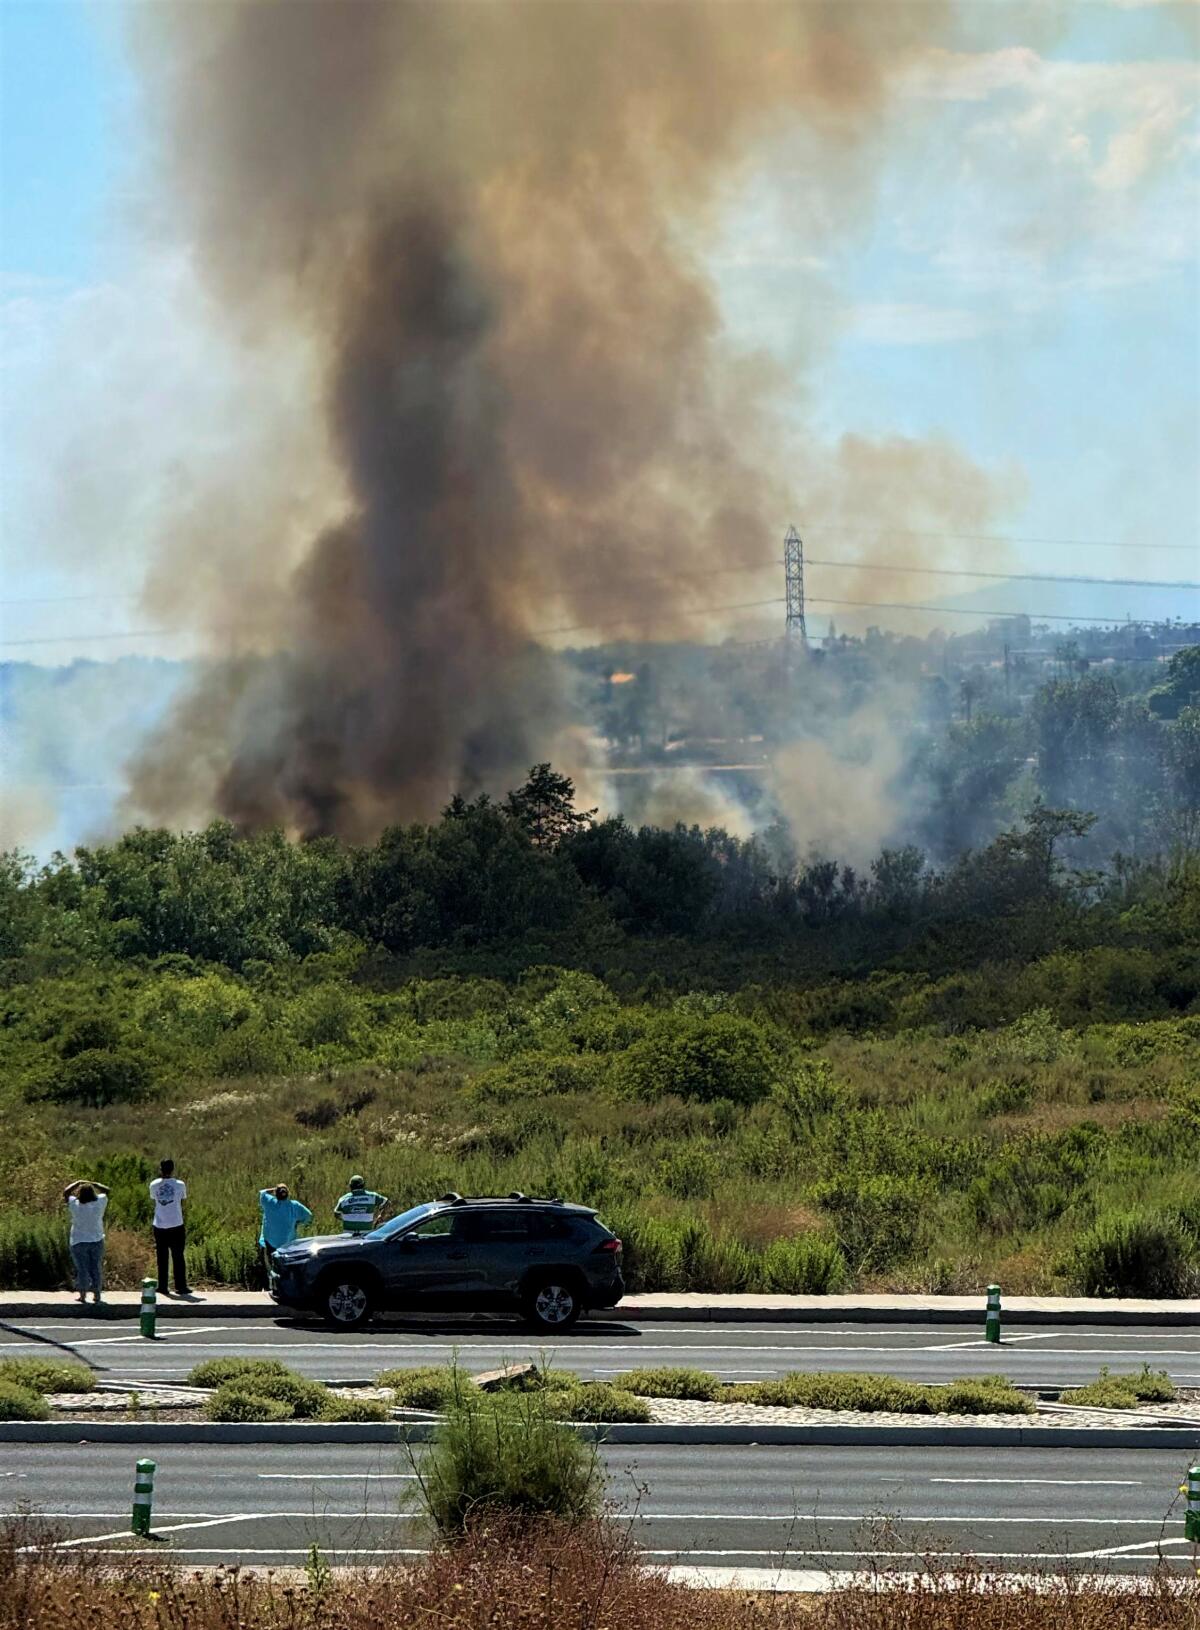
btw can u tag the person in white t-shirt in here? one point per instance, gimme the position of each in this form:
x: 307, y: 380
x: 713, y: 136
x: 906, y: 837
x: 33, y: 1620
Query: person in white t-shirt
x: 86, y: 1203
x: 168, y: 1194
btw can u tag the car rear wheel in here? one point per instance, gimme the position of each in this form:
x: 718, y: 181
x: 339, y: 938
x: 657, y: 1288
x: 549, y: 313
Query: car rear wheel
x: 346, y: 1302
x: 553, y: 1303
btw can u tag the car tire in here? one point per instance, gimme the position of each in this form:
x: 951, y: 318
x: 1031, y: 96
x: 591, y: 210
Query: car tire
x: 346, y: 1301
x: 553, y: 1303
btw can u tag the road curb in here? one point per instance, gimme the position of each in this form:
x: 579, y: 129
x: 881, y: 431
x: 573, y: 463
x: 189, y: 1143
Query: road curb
x: 866, y: 1436
x: 808, y: 1310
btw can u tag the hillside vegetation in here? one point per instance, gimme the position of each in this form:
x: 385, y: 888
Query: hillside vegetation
x: 765, y: 1078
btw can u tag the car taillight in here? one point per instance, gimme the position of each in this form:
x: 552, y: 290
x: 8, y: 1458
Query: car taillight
x: 608, y: 1245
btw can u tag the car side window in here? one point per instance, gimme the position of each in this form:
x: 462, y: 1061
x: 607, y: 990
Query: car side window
x: 494, y: 1227
x: 542, y: 1225
x: 439, y: 1226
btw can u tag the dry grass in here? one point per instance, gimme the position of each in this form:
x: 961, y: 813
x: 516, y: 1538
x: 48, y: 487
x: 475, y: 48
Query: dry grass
x: 538, y: 1576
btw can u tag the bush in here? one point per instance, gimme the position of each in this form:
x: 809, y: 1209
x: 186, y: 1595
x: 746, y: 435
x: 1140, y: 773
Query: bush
x: 34, y: 1254
x: 306, y: 1400
x: 666, y: 1382
x: 1135, y: 1253
x: 47, y: 1374
x: 808, y: 1265
x: 595, y: 1401
x: 97, y: 1077
x: 989, y: 1395
x: 226, y: 1259
x: 339, y: 1408
x: 699, y: 1060
x: 235, y: 1402
x: 214, y: 1372
x: 430, y: 1386
x: 876, y: 1218
x: 511, y: 1456
x: 22, y: 1403
x: 1122, y: 1391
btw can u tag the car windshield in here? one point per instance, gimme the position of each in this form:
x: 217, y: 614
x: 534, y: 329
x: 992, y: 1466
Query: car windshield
x: 397, y: 1225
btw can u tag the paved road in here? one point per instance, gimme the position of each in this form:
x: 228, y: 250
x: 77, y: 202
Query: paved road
x: 1045, y: 1357
x: 830, y: 1508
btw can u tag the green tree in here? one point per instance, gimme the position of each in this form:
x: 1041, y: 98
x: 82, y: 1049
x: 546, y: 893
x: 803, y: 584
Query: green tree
x: 545, y: 807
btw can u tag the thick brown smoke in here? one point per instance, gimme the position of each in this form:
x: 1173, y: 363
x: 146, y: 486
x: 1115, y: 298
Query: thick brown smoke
x: 489, y: 220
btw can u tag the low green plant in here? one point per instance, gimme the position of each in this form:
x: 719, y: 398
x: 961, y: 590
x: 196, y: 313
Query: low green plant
x: 1110, y: 1391
x: 22, y: 1403
x: 429, y: 1386
x: 234, y: 1402
x: 884, y: 1394
x: 214, y: 1372
x: 339, y: 1408
x: 668, y: 1382
x: 305, y: 1399
x: 47, y: 1374
x: 596, y: 1401
x: 507, y: 1456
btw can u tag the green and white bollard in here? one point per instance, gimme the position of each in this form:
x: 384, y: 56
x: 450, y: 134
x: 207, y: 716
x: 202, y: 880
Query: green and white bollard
x: 149, y: 1306
x: 143, y: 1497
x: 1191, y: 1522
x: 991, y: 1329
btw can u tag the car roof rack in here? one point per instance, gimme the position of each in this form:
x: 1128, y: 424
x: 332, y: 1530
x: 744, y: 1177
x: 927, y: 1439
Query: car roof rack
x: 452, y: 1199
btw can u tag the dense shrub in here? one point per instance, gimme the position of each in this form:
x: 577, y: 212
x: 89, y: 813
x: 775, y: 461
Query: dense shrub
x: 235, y: 1402
x: 595, y: 1401
x: 97, y: 1077
x: 1109, y: 1391
x: 337, y: 1407
x: 668, y: 1382
x: 1135, y: 1253
x: 702, y: 1059
x: 34, y: 1254
x: 508, y: 1455
x: 215, y: 1372
x: 883, y: 1393
x: 226, y: 1259
x: 808, y: 1265
x: 47, y: 1374
x: 876, y: 1218
x: 430, y: 1386
x: 22, y: 1403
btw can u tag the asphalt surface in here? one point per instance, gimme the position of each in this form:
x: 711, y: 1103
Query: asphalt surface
x: 756, y: 1507
x: 1045, y: 1357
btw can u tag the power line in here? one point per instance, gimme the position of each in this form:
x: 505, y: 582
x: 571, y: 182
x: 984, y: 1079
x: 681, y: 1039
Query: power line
x: 993, y: 537
x: 769, y: 565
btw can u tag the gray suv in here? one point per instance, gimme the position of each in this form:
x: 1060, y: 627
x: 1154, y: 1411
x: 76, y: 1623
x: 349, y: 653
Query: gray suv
x: 542, y: 1258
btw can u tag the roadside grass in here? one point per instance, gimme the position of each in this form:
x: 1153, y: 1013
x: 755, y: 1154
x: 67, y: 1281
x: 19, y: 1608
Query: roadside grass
x: 543, y: 1574
x: 667, y: 1382
x: 266, y: 1390
x: 1110, y: 1391
x: 976, y: 1395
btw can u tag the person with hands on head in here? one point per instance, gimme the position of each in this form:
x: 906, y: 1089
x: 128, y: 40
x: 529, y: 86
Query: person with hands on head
x: 86, y: 1203
x: 357, y: 1209
x: 281, y: 1216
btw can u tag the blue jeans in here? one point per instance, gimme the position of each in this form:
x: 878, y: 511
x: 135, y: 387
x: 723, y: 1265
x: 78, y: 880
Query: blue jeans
x: 88, y: 1258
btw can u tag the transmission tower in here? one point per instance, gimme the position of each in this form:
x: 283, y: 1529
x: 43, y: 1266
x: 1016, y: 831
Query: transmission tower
x: 793, y: 573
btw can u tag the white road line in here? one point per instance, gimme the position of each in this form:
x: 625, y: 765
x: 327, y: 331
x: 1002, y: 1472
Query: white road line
x: 111, y: 1341
x: 1126, y: 1550
x: 331, y: 1477
x: 1052, y: 1482
x: 361, y: 1551
x: 208, y: 1522
x: 983, y: 1519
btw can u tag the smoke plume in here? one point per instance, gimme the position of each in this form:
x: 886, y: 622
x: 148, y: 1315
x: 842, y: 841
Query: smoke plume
x: 488, y: 223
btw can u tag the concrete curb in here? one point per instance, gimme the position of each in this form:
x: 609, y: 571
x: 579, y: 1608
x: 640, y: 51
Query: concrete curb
x: 305, y: 1432
x: 682, y: 1309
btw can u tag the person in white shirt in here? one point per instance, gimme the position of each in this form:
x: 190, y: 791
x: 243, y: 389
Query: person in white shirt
x: 86, y: 1203
x: 168, y: 1194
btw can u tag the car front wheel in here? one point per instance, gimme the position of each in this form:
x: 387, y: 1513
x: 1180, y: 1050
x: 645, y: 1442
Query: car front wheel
x: 346, y: 1302
x: 553, y: 1304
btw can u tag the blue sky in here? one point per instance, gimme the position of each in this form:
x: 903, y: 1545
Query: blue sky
x: 1021, y: 284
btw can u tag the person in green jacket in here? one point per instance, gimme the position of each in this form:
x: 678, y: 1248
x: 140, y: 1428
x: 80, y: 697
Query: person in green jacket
x: 358, y: 1207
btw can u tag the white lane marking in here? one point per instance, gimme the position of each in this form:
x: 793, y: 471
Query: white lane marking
x: 331, y: 1477
x: 981, y: 1341
x: 981, y: 1520
x: 227, y: 1349
x: 1052, y: 1482
x: 208, y: 1522
x: 1142, y: 1545
x: 111, y: 1341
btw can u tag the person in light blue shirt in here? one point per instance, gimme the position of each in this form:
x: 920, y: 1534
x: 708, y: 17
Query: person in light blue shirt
x: 281, y: 1216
